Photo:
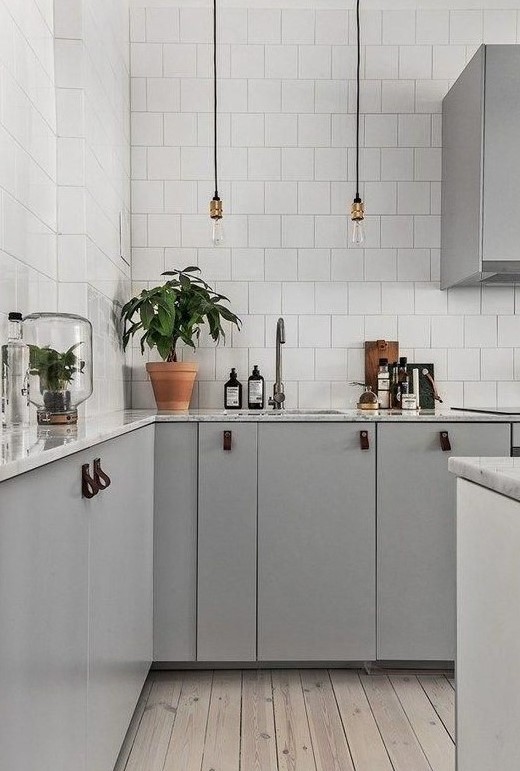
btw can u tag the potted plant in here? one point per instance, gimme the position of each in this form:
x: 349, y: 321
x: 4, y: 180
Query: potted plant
x: 167, y: 315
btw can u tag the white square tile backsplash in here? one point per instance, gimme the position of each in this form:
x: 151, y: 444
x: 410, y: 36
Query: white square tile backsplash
x: 287, y: 134
x: 65, y: 167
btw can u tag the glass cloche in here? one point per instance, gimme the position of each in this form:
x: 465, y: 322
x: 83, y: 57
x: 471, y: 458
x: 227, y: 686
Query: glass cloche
x: 60, y: 364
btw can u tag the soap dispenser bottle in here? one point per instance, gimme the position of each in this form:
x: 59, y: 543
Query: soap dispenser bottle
x: 233, y: 392
x: 256, y: 390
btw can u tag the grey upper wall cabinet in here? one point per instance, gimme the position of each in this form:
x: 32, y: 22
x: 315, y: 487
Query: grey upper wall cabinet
x: 480, y: 221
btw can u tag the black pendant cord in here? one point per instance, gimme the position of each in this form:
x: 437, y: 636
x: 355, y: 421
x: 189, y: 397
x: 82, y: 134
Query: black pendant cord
x: 215, y: 99
x: 358, y: 81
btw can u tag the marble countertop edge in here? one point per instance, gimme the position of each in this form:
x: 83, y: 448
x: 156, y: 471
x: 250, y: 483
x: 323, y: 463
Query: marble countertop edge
x: 23, y: 450
x: 501, y: 475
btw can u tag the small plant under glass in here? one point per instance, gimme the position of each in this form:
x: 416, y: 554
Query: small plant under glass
x: 60, y: 371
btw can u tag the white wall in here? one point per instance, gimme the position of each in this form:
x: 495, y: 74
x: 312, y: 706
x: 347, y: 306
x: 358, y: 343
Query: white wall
x: 287, y: 165
x: 64, y: 168
x: 92, y: 73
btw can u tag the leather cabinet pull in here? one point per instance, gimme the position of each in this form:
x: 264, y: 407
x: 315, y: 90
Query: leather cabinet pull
x: 100, y: 477
x: 227, y: 440
x: 364, y: 441
x: 445, y: 441
x: 89, y: 487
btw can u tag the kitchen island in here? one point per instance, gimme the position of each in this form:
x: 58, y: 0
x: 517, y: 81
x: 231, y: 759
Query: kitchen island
x: 488, y: 613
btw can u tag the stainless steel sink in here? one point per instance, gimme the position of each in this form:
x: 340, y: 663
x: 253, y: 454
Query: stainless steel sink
x: 300, y: 412
x: 280, y: 413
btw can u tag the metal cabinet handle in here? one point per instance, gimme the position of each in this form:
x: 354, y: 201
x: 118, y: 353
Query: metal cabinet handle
x: 445, y: 441
x: 227, y: 440
x: 364, y: 440
x: 89, y: 486
x: 100, y: 477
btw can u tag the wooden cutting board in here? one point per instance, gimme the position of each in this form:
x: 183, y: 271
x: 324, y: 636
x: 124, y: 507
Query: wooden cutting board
x: 375, y: 350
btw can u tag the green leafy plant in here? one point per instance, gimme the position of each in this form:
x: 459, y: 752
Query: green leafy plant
x: 56, y: 370
x: 175, y: 311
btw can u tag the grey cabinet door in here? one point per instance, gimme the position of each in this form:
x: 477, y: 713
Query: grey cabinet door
x: 175, y: 542
x: 121, y: 593
x: 43, y: 618
x: 316, y: 543
x: 226, y: 629
x: 416, y: 534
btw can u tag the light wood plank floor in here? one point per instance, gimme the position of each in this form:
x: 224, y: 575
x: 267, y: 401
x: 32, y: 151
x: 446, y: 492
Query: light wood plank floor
x: 295, y: 720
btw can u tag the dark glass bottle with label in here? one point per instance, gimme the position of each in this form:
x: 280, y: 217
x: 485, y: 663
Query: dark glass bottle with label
x: 394, y: 386
x: 233, y: 392
x: 256, y: 390
x: 403, y: 380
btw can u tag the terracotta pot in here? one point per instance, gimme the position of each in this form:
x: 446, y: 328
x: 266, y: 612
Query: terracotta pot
x: 172, y: 383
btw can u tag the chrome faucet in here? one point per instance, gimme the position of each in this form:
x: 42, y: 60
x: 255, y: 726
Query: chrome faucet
x: 278, y: 397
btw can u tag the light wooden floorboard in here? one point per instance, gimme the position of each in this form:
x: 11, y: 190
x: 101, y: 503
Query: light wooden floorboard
x: 442, y: 696
x: 365, y: 742
x: 186, y: 748
x: 155, y: 729
x: 293, y: 738
x: 400, y: 741
x: 428, y: 727
x: 295, y: 720
x: 331, y: 752
x: 258, y: 750
x: 222, y: 745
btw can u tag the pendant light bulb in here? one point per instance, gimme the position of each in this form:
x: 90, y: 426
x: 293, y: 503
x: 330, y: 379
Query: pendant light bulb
x: 216, y: 214
x: 357, y: 215
x: 218, y: 235
x: 358, y: 233
x: 215, y: 205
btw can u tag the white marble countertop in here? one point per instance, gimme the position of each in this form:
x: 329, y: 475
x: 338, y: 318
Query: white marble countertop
x: 24, y: 449
x: 502, y: 475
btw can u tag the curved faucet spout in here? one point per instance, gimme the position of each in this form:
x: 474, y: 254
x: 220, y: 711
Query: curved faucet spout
x: 278, y: 398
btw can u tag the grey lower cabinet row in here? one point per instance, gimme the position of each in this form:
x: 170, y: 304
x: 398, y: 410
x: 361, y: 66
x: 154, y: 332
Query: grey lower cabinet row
x: 76, y: 608
x: 296, y: 544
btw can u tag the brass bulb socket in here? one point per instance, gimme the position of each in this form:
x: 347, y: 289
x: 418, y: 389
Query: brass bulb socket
x: 215, y: 209
x: 357, y: 211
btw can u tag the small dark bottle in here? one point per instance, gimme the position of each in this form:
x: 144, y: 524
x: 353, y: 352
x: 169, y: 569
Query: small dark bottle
x: 394, y: 386
x: 256, y: 390
x: 233, y: 392
x: 403, y: 380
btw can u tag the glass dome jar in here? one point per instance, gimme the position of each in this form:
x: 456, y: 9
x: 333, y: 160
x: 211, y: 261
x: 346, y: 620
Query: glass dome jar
x: 60, y: 364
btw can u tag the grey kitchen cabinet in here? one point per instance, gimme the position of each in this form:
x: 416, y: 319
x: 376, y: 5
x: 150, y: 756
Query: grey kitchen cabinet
x: 120, y: 592
x: 480, y: 160
x: 75, y: 608
x: 44, y: 618
x: 227, y: 518
x: 416, y: 503
x: 175, y: 557
x: 316, y: 542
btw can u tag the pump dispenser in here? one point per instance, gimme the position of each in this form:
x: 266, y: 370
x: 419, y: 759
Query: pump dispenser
x: 233, y: 392
x: 256, y: 390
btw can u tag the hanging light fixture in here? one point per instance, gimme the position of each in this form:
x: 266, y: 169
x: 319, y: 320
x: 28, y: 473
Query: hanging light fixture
x: 357, y: 212
x: 215, y: 206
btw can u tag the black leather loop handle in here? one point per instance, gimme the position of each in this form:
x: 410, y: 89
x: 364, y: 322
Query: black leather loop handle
x: 89, y: 486
x: 101, y: 478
